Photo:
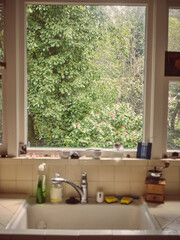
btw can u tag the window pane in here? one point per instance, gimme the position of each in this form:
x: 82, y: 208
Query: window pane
x: 174, y: 116
x: 174, y: 30
x: 173, y: 141
x: 1, y: 34
x: 1, y: 119
x: 85, y: 75
x: 1, y: 60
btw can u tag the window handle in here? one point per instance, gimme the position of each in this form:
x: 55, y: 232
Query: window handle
x: 3, y: 64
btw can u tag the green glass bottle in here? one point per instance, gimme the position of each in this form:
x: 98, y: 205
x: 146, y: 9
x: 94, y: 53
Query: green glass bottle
x: 41, y: 185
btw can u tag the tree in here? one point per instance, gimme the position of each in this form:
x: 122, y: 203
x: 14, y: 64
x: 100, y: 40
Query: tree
x: 60, y: 41
x: 174, y: 88
x: 82, y: 60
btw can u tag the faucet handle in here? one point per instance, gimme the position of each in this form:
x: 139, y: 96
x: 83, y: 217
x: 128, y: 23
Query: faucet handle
x: 84, y: 174
x: 84, y: 178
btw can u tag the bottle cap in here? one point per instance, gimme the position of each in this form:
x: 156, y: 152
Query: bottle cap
x: 41, y: 166
x: 57, y: 175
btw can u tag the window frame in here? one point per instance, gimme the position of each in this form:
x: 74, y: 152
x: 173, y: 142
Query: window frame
x: 167, y: 79
x: 155, y: 89
x: 3, y: 146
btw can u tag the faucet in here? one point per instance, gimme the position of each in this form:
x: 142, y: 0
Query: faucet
x: 82, y: 191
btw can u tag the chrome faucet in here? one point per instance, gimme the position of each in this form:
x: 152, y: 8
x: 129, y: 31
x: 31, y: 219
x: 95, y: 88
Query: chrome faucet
x: 82, y: 191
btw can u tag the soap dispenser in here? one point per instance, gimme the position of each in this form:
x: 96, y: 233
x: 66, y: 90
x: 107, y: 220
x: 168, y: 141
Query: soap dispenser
x: 56, y: 191
x: 41, y: 184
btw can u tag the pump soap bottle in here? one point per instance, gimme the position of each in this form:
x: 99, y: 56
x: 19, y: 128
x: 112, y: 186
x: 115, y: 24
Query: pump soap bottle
x: 56, y: 191
x: 41, y: 184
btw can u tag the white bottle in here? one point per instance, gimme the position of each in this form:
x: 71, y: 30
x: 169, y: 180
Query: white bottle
x: 56, y: 191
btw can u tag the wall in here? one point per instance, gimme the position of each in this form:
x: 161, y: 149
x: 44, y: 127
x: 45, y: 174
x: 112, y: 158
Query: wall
x: 112, y: 177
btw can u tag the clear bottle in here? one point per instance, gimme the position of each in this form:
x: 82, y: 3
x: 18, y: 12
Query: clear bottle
x: 56, y: 191
x: 41, y: 184
x: 118, y: 151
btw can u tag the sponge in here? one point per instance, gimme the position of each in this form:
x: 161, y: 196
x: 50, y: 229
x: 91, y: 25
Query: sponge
x: 126, y: 200
x: 110, y: 199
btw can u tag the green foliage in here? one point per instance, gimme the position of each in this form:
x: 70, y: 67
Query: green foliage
x: 85, y: 75
x: 105, y: 126
x: 174, y: 116
x: 60, y: 40
x: 173, y: 141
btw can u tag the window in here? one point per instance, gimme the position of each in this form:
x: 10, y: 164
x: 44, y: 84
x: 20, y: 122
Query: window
x: 2, y: 64
x: 173, y: 139
x: 86, y: 71
x: 147, y: 69
x: 173, y: 142
x: 174, y: 30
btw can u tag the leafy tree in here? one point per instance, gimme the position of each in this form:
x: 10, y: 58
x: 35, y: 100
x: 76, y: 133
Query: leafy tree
x: 60, y: 41
x: 83, y: 60
x: 174, y: 88
x: 105, y: 126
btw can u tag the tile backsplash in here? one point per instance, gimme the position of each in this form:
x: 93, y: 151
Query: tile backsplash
x: 110, y: 176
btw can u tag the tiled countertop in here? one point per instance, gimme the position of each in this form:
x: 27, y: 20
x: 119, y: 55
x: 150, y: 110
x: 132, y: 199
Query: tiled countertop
x: 10, y: 205
x: 167, y: 214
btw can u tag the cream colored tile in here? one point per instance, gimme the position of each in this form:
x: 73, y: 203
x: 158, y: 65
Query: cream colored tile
x: 106, y: 187
x: 119, y: 162
x: 73, y: 173
x: 52, y: 169
x: 8, y: 172
x: 6, y: 215
x: 10, y: 161
x: 56, y: 162
x: 122, y: 188
x: 137, y: 188
x: 12, y: 203
x: 172, y: 188
x: 24, y: 172
x: 27, y: 161
x: 89, y: 161
x: 105, y: 173
x: 135, y: 162
x: 72, y: 162
x: 92, y: 189
x: 108, y: 161
x: 138, y: 173
x: 122, y: 173
x: 25, y: 187
x: 92, y: 172
x: 171, y: 174
x: 34, y: 188
x: 70, y: 191
x: 8, y: 186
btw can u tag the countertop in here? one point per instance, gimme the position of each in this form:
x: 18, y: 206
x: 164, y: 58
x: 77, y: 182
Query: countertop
x: 10, y: 205
x: 167, y: 214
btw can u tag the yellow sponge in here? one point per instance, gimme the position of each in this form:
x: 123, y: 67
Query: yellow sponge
x: 126, y: 200
x: 111, y: 199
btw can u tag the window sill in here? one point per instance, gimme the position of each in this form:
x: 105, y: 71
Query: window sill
x: 90, y: 161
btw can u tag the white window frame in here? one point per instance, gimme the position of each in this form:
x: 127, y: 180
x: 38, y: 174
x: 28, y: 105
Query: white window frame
x: 3, y: 146
x: 155, y: 91
x: 168, y: 79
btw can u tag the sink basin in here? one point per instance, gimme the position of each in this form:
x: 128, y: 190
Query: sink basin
x: 92, y: 216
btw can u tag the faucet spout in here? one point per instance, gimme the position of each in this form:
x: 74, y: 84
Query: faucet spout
x: 82, y: 191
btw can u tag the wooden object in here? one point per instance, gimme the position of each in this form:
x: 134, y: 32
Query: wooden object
x: 155, y: 190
